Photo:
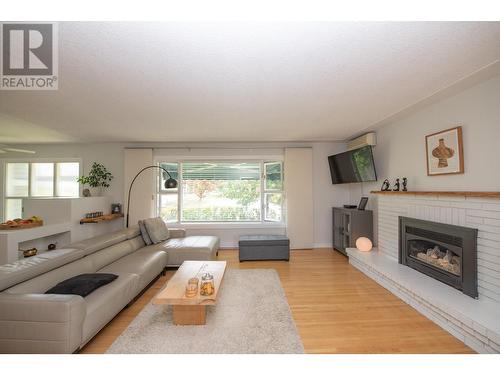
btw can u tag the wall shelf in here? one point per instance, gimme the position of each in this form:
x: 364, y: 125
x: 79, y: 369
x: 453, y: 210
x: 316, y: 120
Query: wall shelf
x: 12, y: 240
x: 467, y: 194
x: 100, y: 219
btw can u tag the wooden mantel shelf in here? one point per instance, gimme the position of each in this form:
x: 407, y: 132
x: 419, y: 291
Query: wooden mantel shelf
x: 469, y: 194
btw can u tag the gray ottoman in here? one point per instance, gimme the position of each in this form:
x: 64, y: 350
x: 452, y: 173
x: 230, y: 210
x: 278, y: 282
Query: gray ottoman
x: 264, y: 247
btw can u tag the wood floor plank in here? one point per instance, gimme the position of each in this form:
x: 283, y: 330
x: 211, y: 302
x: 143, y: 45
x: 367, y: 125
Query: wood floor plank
x: 337, y: 309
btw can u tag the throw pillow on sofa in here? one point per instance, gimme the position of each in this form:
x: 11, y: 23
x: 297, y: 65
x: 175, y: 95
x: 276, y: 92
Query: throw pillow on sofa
x: 83, y: 284
x: 157, y: 229
x: 144, y: 233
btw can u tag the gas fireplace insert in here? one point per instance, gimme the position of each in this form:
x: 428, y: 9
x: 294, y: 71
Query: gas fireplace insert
x: 447, y: 253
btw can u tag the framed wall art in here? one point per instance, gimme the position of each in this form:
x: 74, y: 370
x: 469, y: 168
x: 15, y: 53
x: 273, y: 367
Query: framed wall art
x: 445, y: 154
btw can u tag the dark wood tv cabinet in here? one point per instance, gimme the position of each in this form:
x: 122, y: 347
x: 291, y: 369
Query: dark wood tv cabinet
x: 348, y: 225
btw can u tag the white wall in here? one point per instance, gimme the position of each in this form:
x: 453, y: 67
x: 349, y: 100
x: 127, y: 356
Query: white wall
x: 142, y: 195
x: 325, y: 195
x: 400, y: 150
x: 299, y: 197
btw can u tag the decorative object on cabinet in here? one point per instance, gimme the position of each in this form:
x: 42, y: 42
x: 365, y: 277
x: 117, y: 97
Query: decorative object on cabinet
x: 397, y: 185
x: 116, y: 208
x: 99, y: 177
x: 386, y: 185
x: 362, y: 203
x: 444, y: 152
x: 349, y: 225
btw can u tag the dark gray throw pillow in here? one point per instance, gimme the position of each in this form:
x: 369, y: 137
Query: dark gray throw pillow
x: 157, y: 229
x: 83, y: 284
x: 144, y: 233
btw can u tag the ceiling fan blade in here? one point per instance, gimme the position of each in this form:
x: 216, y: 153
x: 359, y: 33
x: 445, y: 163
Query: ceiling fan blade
x: 20, y: 150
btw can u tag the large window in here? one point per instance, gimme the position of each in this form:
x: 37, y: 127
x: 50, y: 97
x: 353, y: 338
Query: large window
x: 222, y: 191
x: 40, y: 179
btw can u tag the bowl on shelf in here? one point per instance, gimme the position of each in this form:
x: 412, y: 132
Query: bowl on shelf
x: 34, y: 221
x: 30, y: 252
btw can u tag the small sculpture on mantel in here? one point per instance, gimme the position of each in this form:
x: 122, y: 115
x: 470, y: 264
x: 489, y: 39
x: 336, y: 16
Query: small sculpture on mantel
x: 385, y: 185
x: 405, y: 182
x: 396, y: 185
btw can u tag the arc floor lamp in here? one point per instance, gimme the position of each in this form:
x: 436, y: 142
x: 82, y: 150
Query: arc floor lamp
x: 171, y: 183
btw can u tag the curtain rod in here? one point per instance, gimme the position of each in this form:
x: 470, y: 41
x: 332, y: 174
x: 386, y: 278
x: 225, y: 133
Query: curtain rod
x: 212, y: 148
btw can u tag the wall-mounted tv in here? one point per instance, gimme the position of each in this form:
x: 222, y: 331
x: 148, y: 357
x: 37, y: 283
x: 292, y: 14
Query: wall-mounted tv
x: 353, y: 166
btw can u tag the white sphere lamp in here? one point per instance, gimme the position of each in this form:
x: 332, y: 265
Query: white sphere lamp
x: 364, y: 244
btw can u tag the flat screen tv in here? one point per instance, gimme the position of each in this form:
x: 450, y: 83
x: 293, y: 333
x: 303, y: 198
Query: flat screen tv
x: 353, y: 166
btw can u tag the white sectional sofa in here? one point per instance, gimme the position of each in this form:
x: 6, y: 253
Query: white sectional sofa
x: 34, y: 322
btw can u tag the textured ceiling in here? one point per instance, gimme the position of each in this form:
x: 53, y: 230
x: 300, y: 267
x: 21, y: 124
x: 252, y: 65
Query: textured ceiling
x: 241, y: 82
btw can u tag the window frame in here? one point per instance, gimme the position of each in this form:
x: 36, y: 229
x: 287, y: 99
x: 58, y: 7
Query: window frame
x: 31, y: 178
x: 57, y: 179
x: 180, y: 162
x: 55, y: 161
x: 266, y: 191
x: 162, y: 191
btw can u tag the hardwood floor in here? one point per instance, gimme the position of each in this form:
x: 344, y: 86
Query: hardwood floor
x: 337, y: 309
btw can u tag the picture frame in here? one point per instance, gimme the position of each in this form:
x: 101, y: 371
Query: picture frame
x: 362, y: 203
x: 116, y: 208
x: 444, y: 152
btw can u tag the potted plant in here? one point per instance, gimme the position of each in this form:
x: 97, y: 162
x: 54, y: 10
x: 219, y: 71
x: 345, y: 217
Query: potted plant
x: 98, y: 178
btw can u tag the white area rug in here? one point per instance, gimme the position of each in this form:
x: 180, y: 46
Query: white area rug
x: 251, y: 316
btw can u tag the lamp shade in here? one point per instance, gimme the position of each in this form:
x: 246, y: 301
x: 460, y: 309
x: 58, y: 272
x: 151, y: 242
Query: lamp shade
x: 364, y: 244
x: 170, y: 183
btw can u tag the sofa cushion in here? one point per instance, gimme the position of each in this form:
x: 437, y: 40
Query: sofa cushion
x: 136, y: 243
x: 144, y: 262
x: 157, y: 229
x: 40, y: 323
x: 190, y: 248
x: 176, y: 232
x: 110, y: 254
x: 82, y: 285
x: 44, y: 282
x: 144, y: 233
x: 106, y: 302
x: 132, y: 231
x: 94, y: 244
x: 25, y: 269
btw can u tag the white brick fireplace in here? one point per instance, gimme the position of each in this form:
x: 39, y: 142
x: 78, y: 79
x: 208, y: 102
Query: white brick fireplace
x: 476, y: 322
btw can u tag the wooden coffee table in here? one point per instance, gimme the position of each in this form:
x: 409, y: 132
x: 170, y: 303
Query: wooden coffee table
x: 190, y: 311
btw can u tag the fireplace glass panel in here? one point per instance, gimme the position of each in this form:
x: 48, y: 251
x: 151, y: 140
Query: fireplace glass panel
x: 435, y: 255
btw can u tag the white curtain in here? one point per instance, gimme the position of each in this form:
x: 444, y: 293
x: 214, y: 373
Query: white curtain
x: 299, y: 197
x: 142, y: 195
